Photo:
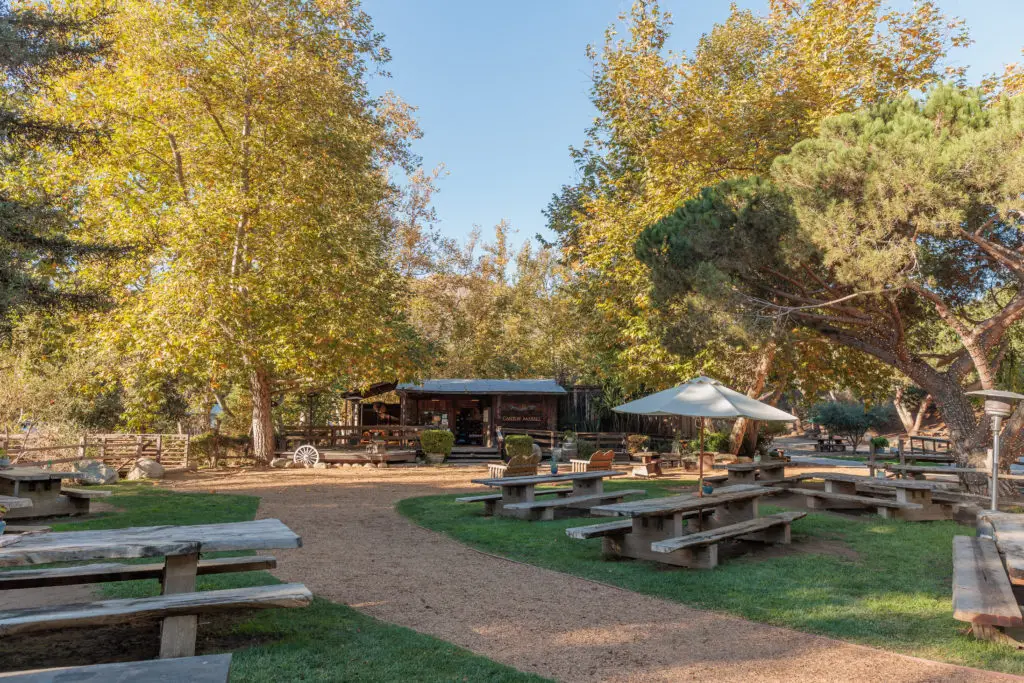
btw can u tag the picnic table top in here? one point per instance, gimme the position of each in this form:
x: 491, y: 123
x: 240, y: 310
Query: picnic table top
x: 1008, y: 529
x: 857, y: 479
x: 150, y: 541
x: 661, y: 507
x: 36, y: 474
x: 547, y: 478
x: 750, y: 466
x: 925, y: 469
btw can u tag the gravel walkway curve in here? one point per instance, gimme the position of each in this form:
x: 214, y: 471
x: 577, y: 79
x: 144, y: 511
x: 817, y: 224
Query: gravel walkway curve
x: 357, y: 550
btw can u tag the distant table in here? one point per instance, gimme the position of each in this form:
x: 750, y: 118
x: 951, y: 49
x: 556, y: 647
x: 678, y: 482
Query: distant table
x: 905, y: 490
x: 649, y: 467
x: 40, y: 486
x: 659, y: 519
x: 746, y: 472
x: 831, y: 444
x: 522, y: 489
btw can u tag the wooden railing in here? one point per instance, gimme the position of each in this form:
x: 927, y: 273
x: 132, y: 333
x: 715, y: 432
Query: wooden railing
x: 336, y: 436
x: 928, y: 444
x: 117, y: 450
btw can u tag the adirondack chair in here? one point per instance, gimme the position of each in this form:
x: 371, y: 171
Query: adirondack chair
x: 600, y: 460
x: 519, y: 466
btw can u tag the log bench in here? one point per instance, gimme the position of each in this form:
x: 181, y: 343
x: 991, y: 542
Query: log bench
x: 490, y: 500
x: 701, y: 548
x: 107, y: 572
x: 205, y: 669
x: 545, y: 509
x: 982, y: 594
x: 824, y: 500
x: 106, y: 612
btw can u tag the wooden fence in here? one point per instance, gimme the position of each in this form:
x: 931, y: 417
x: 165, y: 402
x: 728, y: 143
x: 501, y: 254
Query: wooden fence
x: 615, y: 441
x: 117, y: 450
x: 337, y: 436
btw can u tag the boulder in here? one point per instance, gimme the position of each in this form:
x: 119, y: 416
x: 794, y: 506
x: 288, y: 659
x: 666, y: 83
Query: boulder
x: 320, y: 466
x: 95, y: 472
x: 280, y: 462
x: 146, y: 468
x: 292, y: 465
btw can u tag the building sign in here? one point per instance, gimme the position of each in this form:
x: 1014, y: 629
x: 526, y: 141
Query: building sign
x: 522, y: 413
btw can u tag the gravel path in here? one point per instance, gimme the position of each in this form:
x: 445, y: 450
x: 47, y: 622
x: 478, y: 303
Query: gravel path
x: 357, y: 550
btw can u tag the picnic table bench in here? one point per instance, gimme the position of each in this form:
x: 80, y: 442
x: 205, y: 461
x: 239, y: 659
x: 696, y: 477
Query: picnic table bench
x: 179, y: 604
x: 43, y: 489
x: 749, y: 472
x: 919, y: 471
x: 204, y: 669
x: 982, y: 591
x: 666, y: 529
x: 518, y: 494
x: 912, y: 500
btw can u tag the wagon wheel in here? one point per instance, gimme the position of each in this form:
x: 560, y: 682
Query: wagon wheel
x: 306, y: 455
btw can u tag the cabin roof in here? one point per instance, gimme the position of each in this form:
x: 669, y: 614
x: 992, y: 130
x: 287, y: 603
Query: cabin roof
x: 483, y: 386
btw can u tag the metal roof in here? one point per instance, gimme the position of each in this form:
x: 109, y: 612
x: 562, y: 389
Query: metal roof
x: 484, y: 386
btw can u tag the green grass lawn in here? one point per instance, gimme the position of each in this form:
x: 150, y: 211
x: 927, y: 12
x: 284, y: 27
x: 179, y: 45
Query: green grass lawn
x: 323, y: 642
x: 866, y: 580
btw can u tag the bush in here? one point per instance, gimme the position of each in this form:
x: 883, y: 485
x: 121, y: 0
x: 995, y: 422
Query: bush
x: 714, y: 442
x: 880, y: 442
x: 518, y: 445
x: 636, y: 442
x: 211, y: 447
x: 437, y: 441
x: 585, y: 449
x: 766, y: 434
x: 848, y: 420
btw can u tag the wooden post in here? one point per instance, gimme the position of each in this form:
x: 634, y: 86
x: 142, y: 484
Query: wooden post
x: 899, y: 447
x: 871, y: 459
x: 159, y: 446
x: 138, y: 446
x: 188, y: 441
x: 81, y: 448
x: 178, y: 634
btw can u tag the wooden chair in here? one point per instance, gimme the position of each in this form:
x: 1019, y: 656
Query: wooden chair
x: 600, y: 460
x: 519, y: 466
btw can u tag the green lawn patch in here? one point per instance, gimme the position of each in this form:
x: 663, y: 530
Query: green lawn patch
x: 323, y: 642
x: 867, y: 580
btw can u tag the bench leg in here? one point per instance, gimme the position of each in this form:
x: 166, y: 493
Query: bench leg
x: 776, y: 534
x: 543, y: 515
x: 698, y: 558
x: 489, y: 506
x: 178, y: 634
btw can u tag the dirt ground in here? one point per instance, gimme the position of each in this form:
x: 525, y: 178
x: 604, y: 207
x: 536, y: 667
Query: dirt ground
x: 357, y: 550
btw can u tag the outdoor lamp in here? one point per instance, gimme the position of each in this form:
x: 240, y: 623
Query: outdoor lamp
x: 997, y: 406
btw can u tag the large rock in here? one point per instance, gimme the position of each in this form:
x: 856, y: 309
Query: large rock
x: 280, y: 462
x: 320, y: 466
x: 95, y: 472
x: 146, y: 468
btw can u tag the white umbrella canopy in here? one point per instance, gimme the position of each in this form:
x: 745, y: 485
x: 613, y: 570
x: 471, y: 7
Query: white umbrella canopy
x: 704, y: 397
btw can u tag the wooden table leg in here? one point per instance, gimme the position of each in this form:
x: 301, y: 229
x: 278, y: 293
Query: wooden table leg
x: 514, y: 494
x: 582, y: 487
x: 178, y: 634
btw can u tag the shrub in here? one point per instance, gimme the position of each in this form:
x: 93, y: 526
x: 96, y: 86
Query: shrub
x: 518, y: 445
x: 636, y: 442
x: 766, y: 434
x: 848, y: 420
x: 212, y: 447
x: 714, y: 442
x: 880, y: 442
x: 585, y: 449
x: 437, y: 441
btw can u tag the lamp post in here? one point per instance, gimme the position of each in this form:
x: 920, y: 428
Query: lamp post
x: 997, y: 406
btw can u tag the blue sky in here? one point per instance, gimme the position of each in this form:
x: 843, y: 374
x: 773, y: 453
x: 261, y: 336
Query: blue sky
x: 501, y: 87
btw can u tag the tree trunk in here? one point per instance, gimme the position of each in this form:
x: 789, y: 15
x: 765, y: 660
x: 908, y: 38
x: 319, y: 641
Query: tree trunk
x: 906, y: 419
x: 744, y: 431
x: 968, y: 437
x: 262, y: 416
x: 926, y: 403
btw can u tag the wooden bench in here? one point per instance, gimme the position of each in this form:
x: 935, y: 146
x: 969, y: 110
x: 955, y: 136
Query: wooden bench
x: 81, y: 498
x: 982, y: 594
x: 490, y: 500
x: 205, y: 669
x: 545, y: 509
x: 102, y: 573
x: 820, y: 500
x: 716, y: 480
x: 702, y: 546
x: 600, y: 460
x: 620, y: 527
x: 519, y: 466
x: 105, y: 612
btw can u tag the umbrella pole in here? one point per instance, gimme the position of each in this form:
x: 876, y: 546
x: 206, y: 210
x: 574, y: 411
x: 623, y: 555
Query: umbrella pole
x: 700, y: 463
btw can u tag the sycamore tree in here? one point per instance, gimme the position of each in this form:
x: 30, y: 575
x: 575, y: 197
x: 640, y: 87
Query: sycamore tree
x: 895, y: 231
x: 671, y: 124
x: 250, y: 169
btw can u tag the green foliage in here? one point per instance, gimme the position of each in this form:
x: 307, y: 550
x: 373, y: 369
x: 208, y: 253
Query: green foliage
x: 849, y: 420
x: 437, y: 441
x: 210, y: 447
x: 585, y: 449
x: 832, y: 587
x: 879, y: 442
x: 714, y: 442
x: 520, y: 445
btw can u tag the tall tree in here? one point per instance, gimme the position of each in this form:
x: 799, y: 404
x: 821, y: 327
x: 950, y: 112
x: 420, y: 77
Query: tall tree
x: 896, y: 231
x: 669, y: 125
x: 249, y: 166
x: 37, y: 241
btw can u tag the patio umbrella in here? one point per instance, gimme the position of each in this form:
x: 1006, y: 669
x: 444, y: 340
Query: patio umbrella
x: 704, y: 397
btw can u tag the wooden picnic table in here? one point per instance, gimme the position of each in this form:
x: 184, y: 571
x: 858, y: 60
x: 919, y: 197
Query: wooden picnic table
x: 43, y: 488
x: 180, y: 547
x: 649, y: 467
x: 746, y: 472
x: 659, y: 519
x: 1007, y: 529
x: 516, y: 490
x: 905, y: 491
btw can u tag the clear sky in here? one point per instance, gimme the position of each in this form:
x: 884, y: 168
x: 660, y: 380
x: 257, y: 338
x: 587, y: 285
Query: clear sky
x: 501, y: 87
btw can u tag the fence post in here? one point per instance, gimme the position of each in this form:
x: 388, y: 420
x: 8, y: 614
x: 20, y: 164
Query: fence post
x: 138, y: 446
x: 103, y: 448
x: 159, y: 446
x: 188, y: 440
x: 81, y: 448
x: 903, y: 457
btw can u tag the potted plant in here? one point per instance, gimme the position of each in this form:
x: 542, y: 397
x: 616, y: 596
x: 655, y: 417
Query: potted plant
x: 520, y: 445
x: 437, y: 445
x: 5, y: 461
x: 636, y: 443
